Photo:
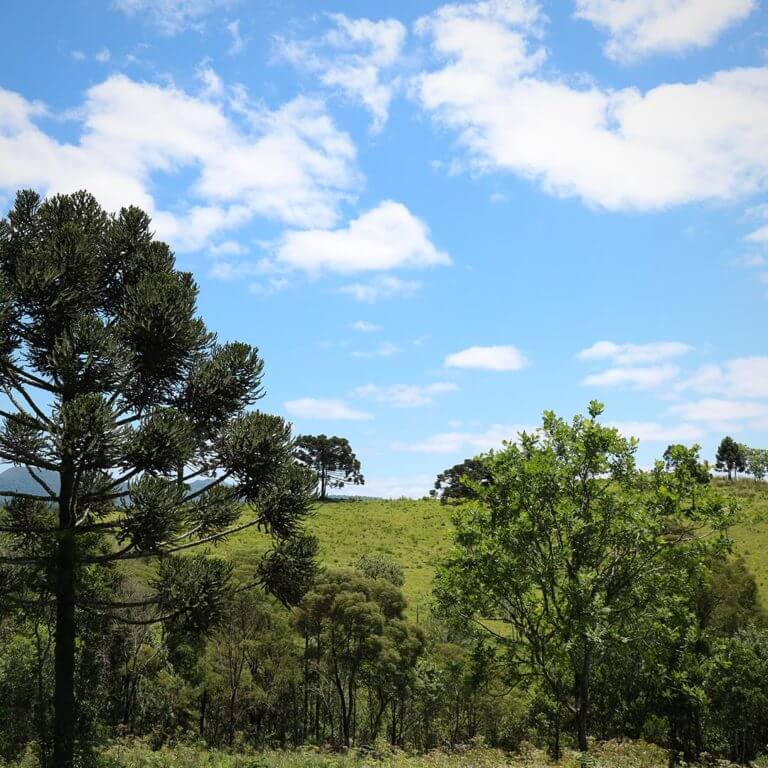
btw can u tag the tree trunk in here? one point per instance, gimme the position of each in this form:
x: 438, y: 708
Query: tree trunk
x: 64, y: 656
x: 581, y: 692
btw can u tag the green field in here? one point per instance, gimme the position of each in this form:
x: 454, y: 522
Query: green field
x: 417, y: 534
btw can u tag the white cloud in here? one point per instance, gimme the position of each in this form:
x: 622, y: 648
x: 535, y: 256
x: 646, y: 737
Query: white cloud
x: 638, y: 28
x: 495, y: 358
x: 331, y: 410
x: 238, y: 43
x: 385, y: 349
x: 716, y: 411
x: 631, y: 354
x: 463, y: 442
x: 640, y: 377
x: 103, y: 56
x: 355, y: 56
x: 653, y: 432
x: 383, y: 287
x: 741, y: 377
x: 363, y: 326
x: 291, y: 164
x: 227, y: 248
x: 172, y: 16
x: 707, y: 140
x: 386, y: 237
x: 269, y: 286
x: 404, y: 395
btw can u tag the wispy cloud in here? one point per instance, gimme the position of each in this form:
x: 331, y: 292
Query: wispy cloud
x: 405, y: 395
x: 312, y: 408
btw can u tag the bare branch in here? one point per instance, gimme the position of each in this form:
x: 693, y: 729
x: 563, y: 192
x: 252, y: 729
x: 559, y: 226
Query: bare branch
x: 39, y: 480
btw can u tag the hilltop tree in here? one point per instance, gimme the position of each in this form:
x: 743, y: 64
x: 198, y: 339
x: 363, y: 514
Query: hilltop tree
x: 332, y: 460
x: 458, y: 482
x: 731, y: 457
x: 565, y: 545
x: 757, y: 462
x: 114, y: 384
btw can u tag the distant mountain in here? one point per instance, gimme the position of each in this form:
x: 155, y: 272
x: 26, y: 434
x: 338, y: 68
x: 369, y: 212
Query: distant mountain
x: 19, y: 480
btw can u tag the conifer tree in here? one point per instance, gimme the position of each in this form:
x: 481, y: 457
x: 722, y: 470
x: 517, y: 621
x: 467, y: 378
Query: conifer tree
x: 116, y: 398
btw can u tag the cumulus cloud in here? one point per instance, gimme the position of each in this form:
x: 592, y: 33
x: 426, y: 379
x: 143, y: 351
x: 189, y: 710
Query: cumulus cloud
x: 383, y: 287
x: 404, y: 395
x: 715, y: 411
x: 463, y: 442
x: 638, y: 28
x: 632, y: 354
x: 741, y: 377
x: 172, y: 16
x: 290, y: 164
x: 320, y: 409
x: 383, y: 238
x: 356, y: 56
x: 653, y: 432
x: 494, y: 358
x: 707, y: 140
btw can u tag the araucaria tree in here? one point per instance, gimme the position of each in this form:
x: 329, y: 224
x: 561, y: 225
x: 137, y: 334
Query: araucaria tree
x: 568, y: 546
x: 114, y: 384
x: 332, y: 460
x: 731, y: 457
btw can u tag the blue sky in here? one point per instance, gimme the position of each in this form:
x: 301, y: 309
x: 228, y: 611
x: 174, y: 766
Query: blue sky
x: 435, y: 221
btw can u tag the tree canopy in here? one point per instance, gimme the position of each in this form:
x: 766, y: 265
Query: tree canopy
x: 332, y: 460
x: 731, y: 457
x: 567, y: 546
x: 458, y: 483
x: 113, y: 383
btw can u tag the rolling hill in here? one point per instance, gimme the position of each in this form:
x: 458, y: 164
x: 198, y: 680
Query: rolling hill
x: 418, y: 534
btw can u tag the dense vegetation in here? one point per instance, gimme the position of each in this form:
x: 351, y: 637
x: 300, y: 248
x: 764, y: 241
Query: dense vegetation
x: 561, y: 597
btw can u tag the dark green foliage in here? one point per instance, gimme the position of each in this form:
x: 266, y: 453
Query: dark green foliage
x: 461, y: 481
x: 737, y: 693
x: 731, y: 457
x: 331, y: 459
x: 571, y: 545
x: 120, y: 391
x: 354, y: 630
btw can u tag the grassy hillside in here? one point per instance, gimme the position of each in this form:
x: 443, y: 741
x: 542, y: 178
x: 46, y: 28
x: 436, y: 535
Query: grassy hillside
x: 751, y: 535
x: 418, y: 534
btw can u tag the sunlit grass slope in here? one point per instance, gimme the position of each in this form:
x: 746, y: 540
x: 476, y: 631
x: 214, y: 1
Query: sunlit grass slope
x: 418, y: 534
x: 750, y: 537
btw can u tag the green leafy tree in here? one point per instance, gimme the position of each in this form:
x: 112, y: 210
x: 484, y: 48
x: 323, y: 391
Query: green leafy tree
x: 379, y: 565
x: 757, y: 462
x: 731, y: 457
x: 114, y: 385
x: 459, y: 482
x: 738, y: 696
x: 346, y: 620
x: 332, y: 460
x: 565, y: 544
